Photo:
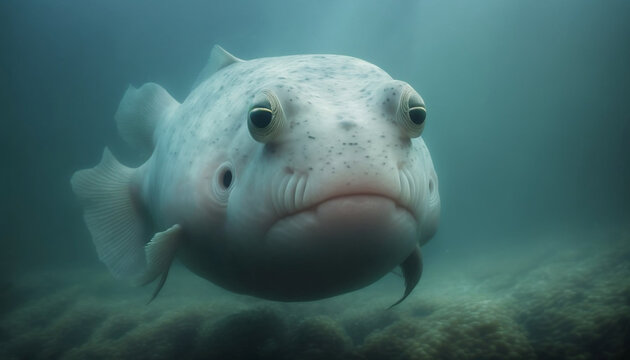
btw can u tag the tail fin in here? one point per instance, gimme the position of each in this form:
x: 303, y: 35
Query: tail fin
x: 112, y: 215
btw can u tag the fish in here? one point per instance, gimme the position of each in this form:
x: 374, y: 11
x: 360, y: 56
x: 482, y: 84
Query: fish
x: 290, y: 178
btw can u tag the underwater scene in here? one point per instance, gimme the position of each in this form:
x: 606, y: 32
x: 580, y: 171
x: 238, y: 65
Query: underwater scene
x: 350, y: 179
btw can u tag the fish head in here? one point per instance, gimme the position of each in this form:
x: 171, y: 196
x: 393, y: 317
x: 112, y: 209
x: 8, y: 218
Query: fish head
x: 327, y: 185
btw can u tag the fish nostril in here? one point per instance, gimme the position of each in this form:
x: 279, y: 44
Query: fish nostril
x: 223, y: 182
x: 431, y: 186
x: 227, y: 178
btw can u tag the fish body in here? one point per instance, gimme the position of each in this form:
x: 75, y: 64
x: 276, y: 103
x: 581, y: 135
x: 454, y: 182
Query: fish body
x: 288, y: 178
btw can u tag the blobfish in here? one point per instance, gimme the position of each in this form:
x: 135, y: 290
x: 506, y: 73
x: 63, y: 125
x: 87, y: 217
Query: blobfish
x: 289, y: 178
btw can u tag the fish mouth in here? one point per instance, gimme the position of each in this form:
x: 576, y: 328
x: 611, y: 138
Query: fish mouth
x: 363, y: 197
x: 333, y: 220
x: 362, y: 200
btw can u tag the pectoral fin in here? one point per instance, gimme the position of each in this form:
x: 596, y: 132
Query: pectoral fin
x: 159, y: 254
x: 412, y: 271
x: 114, y: 215
x: 118, y: 223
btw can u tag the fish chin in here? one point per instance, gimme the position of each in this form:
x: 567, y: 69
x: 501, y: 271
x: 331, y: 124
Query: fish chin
x: 339, y: 245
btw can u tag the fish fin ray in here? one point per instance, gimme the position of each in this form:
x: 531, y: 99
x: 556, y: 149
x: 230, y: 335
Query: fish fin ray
x: 159, y: 254
x: 140, y: 112
x: 112, y: 215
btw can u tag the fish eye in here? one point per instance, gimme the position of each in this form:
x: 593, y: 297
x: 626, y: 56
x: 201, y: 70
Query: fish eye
x: 261, y: 115
x: 265, y: 118
x: 417, y: 112
x: 412, y: 112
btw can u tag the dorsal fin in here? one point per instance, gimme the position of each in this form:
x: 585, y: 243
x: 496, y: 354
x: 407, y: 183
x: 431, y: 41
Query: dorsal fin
x: 219, y: 58
x: 140, y: 112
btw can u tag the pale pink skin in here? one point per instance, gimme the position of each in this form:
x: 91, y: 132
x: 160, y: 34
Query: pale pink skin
x: 339, y: 198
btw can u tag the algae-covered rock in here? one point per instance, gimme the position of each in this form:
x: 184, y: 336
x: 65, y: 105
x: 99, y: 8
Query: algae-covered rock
x: 360, y: 324
x: 251, y: 334
x: 469, y: 331
x: 578, y: 306
x: 396, y: 342
x: 118, y: 325
x: 174, y: 335
x: 574, y: 304
x: 319, y: 337
x: 52, y: 338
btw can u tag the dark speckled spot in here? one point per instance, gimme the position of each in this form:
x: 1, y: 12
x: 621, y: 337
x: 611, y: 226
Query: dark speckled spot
x: 347, y: 125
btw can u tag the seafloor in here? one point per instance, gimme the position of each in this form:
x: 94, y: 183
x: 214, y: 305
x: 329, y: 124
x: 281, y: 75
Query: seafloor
x: 565, y: 298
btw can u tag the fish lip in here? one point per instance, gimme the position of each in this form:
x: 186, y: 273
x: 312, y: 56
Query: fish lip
x: 313, y: 207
